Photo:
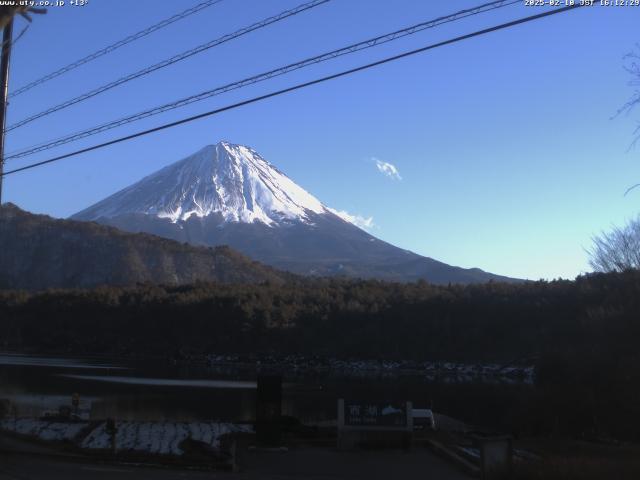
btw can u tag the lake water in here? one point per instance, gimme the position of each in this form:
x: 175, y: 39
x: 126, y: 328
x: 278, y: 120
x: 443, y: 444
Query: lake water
x: 161, y: 391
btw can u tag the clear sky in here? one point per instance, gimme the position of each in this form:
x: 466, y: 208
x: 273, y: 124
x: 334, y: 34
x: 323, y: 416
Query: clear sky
x: 505, y: 151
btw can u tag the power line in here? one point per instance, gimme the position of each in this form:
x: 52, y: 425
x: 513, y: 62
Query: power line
x: 114, y: 46
x: 298, y: 87
x: 372, y: 42
x: 170, y: 61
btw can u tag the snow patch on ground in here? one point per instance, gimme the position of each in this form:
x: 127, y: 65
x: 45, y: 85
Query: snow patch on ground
x: 44, y: 429
x: 160, y: 438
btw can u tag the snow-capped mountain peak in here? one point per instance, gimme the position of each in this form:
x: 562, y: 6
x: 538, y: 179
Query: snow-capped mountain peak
x: 227, y: 194
x: 228, y: 179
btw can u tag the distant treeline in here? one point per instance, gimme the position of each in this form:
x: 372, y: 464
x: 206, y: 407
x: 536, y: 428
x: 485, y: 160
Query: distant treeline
x: 334, y: 317
x: 584, y: 335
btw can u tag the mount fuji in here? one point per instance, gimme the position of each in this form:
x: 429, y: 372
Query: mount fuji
x: 227, y: 194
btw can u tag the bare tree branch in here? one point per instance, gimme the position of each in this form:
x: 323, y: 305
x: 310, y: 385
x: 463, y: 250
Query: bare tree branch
x: 617, y: 250
x: 632, y: 66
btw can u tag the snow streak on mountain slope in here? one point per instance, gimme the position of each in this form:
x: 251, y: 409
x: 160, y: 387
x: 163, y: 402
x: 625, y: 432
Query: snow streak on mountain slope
x: 231, y: 180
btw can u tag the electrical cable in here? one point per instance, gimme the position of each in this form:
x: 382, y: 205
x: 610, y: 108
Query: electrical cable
x: 372, y: 42
x: 169, y: 61
x: 299, y: 86
x: 114, y: 46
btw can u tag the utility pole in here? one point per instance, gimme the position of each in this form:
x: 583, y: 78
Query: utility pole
x: 7, y: 38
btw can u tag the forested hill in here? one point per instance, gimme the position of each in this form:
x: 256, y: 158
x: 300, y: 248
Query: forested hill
x: 582, y: 335
x: 597, y: 314
x: 41, y: 252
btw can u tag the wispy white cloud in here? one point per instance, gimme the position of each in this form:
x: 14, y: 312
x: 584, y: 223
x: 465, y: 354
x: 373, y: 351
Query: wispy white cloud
x: 388, y: 169
x: 357, y: 220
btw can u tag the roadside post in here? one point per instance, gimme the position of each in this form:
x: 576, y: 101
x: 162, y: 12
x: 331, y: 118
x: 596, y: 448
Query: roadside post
x: 496, y: 456
x: 75, y: 401
x: 388, y: 422
x: 269, y: 411
x: 112, y: 431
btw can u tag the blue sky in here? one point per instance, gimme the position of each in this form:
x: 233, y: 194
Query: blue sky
x: 507, y: 157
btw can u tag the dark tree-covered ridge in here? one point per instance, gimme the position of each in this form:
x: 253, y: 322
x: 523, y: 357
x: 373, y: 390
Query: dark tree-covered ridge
x: 583, y: 335
x: 41, y: 252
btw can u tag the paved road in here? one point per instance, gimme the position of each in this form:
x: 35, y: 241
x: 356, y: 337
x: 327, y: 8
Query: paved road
x: 330, y: 464
x: 21, y: 467
x: 312, y: 464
